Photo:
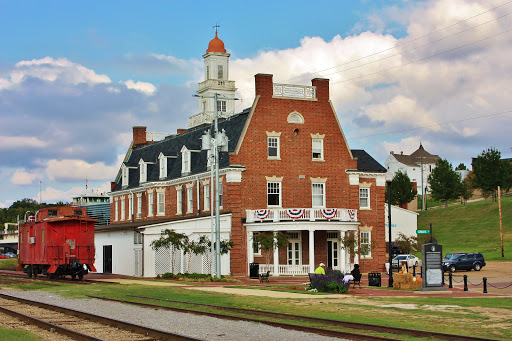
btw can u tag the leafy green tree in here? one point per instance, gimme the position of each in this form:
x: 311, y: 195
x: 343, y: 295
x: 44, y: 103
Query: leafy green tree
x: 402, y: 189
x: 407, y: 244
x: 192, y: 247
x: 445, y: 183
x: 172, y: 240
x: 461, y: 166
x: 269, y: 241
x: 490, y: 171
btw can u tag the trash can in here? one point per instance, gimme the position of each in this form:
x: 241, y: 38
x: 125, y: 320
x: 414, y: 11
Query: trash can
x: 374, y: 279
x: 254, y: 270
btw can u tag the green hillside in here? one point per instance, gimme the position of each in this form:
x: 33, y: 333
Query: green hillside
x: 472, y: 228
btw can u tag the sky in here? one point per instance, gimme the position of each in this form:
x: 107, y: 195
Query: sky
x: 76, y: 76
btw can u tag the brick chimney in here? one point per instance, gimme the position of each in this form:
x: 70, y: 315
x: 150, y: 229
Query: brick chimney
x: 181, y: 131
x: 264, y: 85
x: 112, y: 185
x: 139, y: 136
x: 322, y: 88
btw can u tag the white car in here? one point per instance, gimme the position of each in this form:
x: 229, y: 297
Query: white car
x: 410, y: 259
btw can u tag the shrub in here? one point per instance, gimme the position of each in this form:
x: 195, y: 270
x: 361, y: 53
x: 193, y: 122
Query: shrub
x: 331, y: 282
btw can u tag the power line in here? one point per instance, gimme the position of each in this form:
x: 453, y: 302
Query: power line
x: 433, y: 125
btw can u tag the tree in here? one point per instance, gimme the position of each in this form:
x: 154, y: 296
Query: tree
x: 445, y: 183
x: 461, y: 166
x: 402, y: 189
x: 467, y: 187
x: 407, y: 244
x: 172, y: 240
x: 192, y: 247
x: 269, y: 241
x: 490, y: 171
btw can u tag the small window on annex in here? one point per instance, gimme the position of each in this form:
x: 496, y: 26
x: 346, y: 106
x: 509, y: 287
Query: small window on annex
x: 364, y: 198
x: 365, y: 243
x: 274, y: 194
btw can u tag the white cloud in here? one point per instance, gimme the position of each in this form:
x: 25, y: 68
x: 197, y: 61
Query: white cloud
x: 146, y: 88
x: 50, y: 69
x: 22, y: 177
x: 80, y: 170
x: 19, y: 142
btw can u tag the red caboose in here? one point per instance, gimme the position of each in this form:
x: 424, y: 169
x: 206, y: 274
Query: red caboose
x: 58, y: 242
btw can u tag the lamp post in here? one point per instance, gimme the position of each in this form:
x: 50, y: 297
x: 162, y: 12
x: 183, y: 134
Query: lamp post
x: 390, y: 283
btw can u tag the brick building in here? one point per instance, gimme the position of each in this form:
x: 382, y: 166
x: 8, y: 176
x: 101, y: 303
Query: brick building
x: 287, y: 168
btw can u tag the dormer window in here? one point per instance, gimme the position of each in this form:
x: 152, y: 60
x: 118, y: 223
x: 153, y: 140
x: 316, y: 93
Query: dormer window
x: 143, y: 171
x: 185, y: 160
x: 162, y: 166
x: 125, y: 179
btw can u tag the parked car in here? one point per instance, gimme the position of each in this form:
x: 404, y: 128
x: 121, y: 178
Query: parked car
x: 464, y: 261
x: 10, y: 255
x: 3, y: 257
x: 395, y: 251
x: 410, y: 259
x: 450, y: 255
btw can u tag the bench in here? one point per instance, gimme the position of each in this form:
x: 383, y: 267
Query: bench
x: 264, y: 277
x: 356, y: 280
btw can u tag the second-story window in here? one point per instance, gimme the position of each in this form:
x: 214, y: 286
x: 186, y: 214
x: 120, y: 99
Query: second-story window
x: 139, y: 205
x: 161, y: 203
x: 123, y: 207
x: 206, y: 197
x: 190, y: 200
x: 179, y: 200
x: 150, y: 204
x: 274, y: 194
x: 130, y: 207
x: 364, y: 198
x: 318, y: 149
x: 318, y: 194
x: 220, y: 70
x: 273, y: 147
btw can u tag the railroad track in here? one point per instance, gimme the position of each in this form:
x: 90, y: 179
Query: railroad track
x: 326, y: 324
x: 79, y: 325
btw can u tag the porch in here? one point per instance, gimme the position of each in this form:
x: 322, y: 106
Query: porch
x: 311, y: 241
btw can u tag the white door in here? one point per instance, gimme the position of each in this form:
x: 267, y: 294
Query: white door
x: 333, y: 251
x: 294, y: 249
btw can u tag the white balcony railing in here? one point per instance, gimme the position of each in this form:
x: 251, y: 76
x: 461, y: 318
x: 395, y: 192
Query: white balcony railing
x: 294, y: 91
x: 310, y: 214
x: 216, y: 83
x: 205, y: 117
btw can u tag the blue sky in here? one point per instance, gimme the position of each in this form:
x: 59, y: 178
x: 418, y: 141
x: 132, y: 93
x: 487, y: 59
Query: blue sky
x: 75, y: 76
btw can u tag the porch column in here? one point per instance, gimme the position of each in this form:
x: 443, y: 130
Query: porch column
x: 356, y: 256
x: 276, y: 258
x: 343, y: 253
x: 250, y: 247
x: 311, y: 251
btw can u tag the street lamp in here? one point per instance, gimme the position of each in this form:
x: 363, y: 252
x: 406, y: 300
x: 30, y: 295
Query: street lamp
x: 390, y: 283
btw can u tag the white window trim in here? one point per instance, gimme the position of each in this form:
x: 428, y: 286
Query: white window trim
x: 162, y: 174
x: 277, y: 136
x: 139, y: 206
x: 207, y: 196
x: 369, y: 243
x: 160, y: 194
x: 322, y: 185
x: 280, y: 193
x: 295, y: 114
x: 151, y: 201
x: 143, y: 171
x: 256, y: 246
x: 368, y: 206
x: 319, y: 138
x: 190, y: 198
x: 123, y: 208
x: 130, y: 207
x: 179, y: 200
x: 116, y: 201
x: 125, y: 177
x: 185, y: 160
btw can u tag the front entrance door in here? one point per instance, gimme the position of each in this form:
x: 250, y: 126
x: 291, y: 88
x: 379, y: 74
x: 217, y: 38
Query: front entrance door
x: 107, y: 259
x: 333, y: 247
x: 294, y: 250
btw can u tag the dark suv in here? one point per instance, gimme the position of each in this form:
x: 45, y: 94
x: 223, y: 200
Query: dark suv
x: 463, y: 261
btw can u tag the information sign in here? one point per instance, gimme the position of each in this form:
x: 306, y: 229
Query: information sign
x: 422, y: 231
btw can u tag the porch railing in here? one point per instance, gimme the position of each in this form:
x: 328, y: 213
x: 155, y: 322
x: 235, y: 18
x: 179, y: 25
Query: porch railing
x: 311, y: 214
x: 297, y: 270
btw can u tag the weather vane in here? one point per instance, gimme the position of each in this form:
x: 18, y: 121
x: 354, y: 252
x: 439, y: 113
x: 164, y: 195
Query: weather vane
x: 215, y: 27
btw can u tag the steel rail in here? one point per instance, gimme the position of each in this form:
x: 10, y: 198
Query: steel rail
x: 346, y: 324
x: 47, y: 325
x: 156, y: 333
x: 313, y: 330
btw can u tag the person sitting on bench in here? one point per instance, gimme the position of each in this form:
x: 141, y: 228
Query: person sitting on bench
x: 354, y: 274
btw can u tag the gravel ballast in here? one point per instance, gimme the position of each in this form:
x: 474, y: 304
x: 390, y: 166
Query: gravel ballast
x: 202, y: 327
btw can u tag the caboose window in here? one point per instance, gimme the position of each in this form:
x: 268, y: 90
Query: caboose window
x: 52, y: 213
x: 78, y: 212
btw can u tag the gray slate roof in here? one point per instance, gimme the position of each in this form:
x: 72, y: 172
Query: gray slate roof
x: 366, y: 163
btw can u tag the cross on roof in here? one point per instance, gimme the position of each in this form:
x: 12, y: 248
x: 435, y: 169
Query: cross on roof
x: 215, y: 27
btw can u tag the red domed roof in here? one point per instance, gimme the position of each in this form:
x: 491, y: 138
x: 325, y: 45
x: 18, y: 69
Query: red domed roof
x: 216, y: 45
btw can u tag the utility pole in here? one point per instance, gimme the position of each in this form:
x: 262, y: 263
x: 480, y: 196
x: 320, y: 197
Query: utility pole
x: 218, y: 139
x: 422, y: 184
x: 501, y: 223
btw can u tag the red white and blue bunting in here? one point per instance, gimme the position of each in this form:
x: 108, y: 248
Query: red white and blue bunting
x: 329, y: 213
x: 352, y: 214
x: 295, y: 213
x: 262, y: 214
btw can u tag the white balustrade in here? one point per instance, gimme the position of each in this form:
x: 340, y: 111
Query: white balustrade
x: 294, y: 91
x: 216, y: 83
x: 311, y: 214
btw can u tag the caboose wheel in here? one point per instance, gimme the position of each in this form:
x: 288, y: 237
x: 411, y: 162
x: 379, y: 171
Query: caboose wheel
x: 29, y: 271
x: 73, y: 276
x: 81, y: 275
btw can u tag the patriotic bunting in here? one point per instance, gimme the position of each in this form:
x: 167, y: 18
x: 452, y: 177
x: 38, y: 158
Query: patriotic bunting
x: 329, y: 213
x: 295, y: 213
x: 352, y: 214
x: 262, y: 214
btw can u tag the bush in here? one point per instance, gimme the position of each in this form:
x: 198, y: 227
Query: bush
x: 331, y: 282
x: 194, y: 277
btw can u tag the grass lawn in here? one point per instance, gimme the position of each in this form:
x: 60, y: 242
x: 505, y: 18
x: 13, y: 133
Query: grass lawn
x: 485, y: 317
x: 472, y: 228
x: 9, y: 263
